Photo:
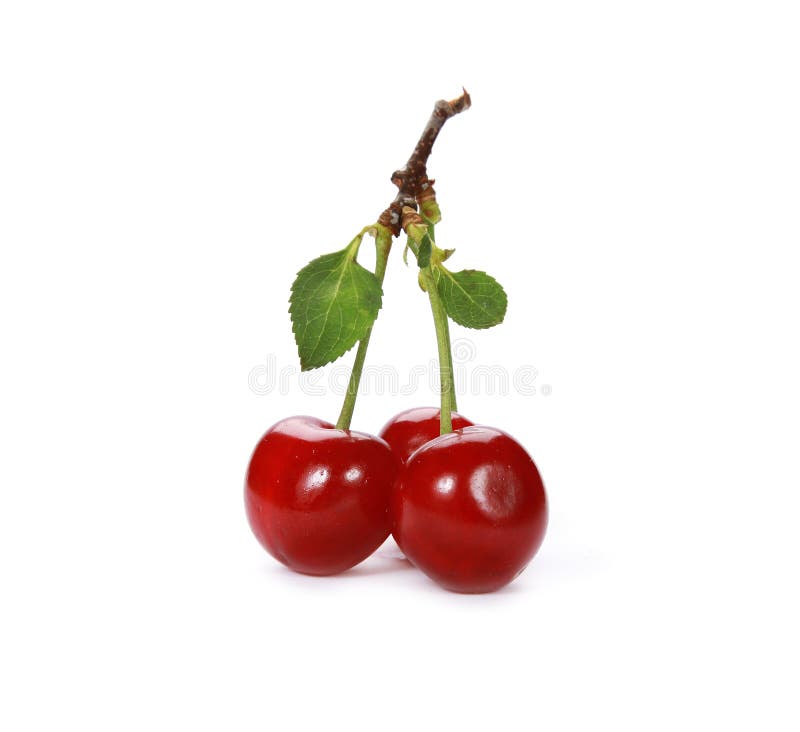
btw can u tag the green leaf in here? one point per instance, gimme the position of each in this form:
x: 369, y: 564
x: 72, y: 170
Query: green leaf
x: 471, y: 298
x: 424, y: 253
x: 334, y: 302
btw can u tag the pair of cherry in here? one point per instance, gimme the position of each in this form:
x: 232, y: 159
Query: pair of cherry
x: 468, y: 507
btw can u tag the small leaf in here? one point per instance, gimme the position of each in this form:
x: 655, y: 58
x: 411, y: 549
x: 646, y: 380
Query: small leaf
x: 442, y: 255
x: 424, y: 252
x: 471, y: 298
x: 334, y: 302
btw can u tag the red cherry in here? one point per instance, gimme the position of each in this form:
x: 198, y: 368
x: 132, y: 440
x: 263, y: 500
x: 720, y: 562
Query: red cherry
x: 317, y: 497
x: 409, y: 430
x: 470, y: 509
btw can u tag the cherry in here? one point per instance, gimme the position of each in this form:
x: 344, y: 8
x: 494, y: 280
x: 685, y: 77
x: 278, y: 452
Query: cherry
x: 317, y: 497
x: 409, y: 430
x: 470, y: 509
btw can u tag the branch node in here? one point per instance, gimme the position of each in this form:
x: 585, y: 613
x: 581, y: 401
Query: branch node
x: 412, y: 181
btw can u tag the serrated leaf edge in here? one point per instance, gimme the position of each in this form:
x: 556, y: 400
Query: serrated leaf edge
x: 348, y: 257
x: 440, y: 270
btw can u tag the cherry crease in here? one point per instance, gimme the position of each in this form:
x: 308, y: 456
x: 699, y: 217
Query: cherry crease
x: 411, y: 429
x: 470, y: 509
x: 317, y: 498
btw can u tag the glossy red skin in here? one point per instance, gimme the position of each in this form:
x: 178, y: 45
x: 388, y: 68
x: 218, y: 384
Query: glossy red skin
x: 317, y: 498
x: 410, y: 430
x: 470, y: 509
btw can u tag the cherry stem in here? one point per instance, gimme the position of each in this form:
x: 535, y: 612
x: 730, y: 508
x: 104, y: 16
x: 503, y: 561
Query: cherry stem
x: 446, y: 327
x: 383, y: 245
x: 453, y: 395
x: 411, y: 181
x: 447, y: 385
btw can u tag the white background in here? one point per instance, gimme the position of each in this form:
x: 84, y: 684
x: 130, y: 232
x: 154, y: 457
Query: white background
x: 629, y: 171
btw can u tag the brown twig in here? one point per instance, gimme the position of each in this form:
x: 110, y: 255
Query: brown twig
x: 412, y: 181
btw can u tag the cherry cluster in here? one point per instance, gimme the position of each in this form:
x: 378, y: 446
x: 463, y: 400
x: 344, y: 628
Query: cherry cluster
x: 464, y: 502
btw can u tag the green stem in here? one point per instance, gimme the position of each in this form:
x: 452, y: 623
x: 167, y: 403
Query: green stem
x: 453, y: 400
x: 383, y: 245
x: 448, y: 392
x: 446, y: 326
